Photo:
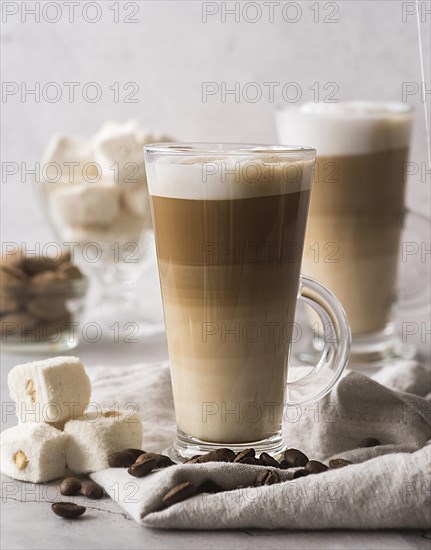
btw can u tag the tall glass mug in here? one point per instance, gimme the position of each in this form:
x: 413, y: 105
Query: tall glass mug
x: 357, y: 213
x: 229, y: 222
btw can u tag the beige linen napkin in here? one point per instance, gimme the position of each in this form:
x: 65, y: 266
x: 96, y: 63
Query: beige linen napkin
x: 387, y: 487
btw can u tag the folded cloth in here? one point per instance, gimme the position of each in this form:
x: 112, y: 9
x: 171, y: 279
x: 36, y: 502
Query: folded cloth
x: 388, y: 486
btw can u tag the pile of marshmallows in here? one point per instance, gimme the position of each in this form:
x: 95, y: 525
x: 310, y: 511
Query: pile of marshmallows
x: 56, y: 433
x: 97, y: 188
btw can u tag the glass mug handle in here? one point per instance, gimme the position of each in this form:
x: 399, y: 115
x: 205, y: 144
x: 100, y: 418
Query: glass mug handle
x: 336, y: 346
x: 413, y: 295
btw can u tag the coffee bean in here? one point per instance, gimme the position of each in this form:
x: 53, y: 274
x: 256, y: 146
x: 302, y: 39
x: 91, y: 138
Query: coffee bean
x: 368, y: 442
x: 251, y: 460
x: 315, y: 467
x: 246, y: 453
x: 295, y: 458
x: 193, y: 460
x: 136, y: 452
x: 162, y: 461
x: 67, y: 510
x: 284, y: 465
x: 268, y: 460
x: 145, y: 456
x: 91, y: 489
x: 267, y: 477
x: 210, y: 486
x: 123, y: 459
x: 338, y: 463
x: 143, y: 468
x: 179, y: 493
x: 70, y: 486
x: 300, y: 473
x: 219, y: 455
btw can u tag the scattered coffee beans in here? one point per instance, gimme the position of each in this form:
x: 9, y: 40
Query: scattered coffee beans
x: 192, y: 460
x: 143, y: 468
x: 338, y: 463
x: 179, y: 493
x: 141, y: 463
x: 368, y: 442
x: 267, y: 477
x: 315, y: 467
x: 123, y: 459
x: 300, y: 473
x: 162, y: 461
x: 295, y: 458
x: 246, y: 453
x: 70, y: 486
x: 136, y: 452
x: 251, y: 460
x: 210, y: 486
x: 268, y: 460
x: 219, y: 455
x: 91, y: 489
x: 67, y: 510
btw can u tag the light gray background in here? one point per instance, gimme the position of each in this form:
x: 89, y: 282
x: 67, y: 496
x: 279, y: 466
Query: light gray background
x: 169, y: 53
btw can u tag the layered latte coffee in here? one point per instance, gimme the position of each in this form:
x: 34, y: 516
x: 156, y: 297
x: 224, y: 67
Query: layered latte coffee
x: 229, y: 236
x: 357, y: 204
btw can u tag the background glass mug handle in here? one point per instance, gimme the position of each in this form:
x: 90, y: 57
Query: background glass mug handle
x: 414, y: 272
x: 336, y: 345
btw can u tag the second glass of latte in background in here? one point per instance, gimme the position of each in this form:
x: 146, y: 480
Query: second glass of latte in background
x: 357, y: 212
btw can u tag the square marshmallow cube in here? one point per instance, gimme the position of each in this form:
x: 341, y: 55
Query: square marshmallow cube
x: 86, y: 204
x: 69, y: 158
x: 33, y: 452
x: 97, y: 434
x: 53, y: 390
x: 118, y: 145
x: 136, y: 200
x: 65, y: 152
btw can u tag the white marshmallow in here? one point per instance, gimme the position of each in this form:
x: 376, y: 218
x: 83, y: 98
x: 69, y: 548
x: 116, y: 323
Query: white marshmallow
x: 125, y: 229
x: 136, y: 199
x: 63, y: 150
x: 53, y: 390
x: 86, y: 204
x: 97, y: 434
x: 118, y: 145
x: 142, y: 135
x: 33, y: 452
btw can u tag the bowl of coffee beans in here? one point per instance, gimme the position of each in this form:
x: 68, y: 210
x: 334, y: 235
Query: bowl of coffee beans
x: 41, y: 301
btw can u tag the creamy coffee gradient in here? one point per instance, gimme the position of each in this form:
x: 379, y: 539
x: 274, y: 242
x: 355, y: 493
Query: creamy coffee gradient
x: 229, y: 239
x: 357, y: 204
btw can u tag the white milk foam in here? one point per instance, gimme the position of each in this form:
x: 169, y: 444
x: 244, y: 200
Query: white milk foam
x: 346, y: 128
x: 227, y: 178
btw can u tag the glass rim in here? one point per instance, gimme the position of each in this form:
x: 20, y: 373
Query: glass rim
x: 218, y: 148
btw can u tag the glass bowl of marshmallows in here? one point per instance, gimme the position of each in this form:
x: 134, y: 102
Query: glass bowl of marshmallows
x: 95, y: 194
